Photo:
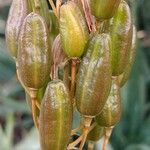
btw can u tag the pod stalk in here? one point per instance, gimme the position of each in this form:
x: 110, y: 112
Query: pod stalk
x: 54, y: 8
x: 74, y: 62
x: 107, y: 135
x: 90, y: 145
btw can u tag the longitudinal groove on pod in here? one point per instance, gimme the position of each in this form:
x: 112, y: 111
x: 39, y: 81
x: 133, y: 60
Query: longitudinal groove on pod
x: 121, y: 37
x: 73, y: 30
x: 55, y: 117
x: 34, y: 55
x: 94, y: 76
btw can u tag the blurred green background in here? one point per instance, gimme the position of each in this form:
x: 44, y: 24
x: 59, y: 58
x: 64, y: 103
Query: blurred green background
x: 133, y: 131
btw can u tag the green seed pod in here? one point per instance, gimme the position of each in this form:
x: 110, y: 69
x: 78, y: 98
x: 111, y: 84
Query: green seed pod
x: 18, y: 12
x: 94, y: 77
x: 73, y: 30
x: 55, y: 120
x: 111, y: 112
x: 43, y: 9
x: 96, y: 133
x: 124, y: 77
x: 34, y: 55
x: 104, y: 9
x: 121, y: 37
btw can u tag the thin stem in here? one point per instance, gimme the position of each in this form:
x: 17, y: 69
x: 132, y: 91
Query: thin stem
x: 98, y: 24
x: 74, y: 131
x: 55, y: 72
x: 87, y: 124
x: 107, y: 135
x: 38, y: 105
x: 90, y: 145
x: 76, y: 142
x: 66, y: 77
x: 88, y: 15
x: 34, y: 113
x: 73, y: 144
x: 73, y: 77
x: 54, y: 8
x: 84, y: 138
x: 58, y: 4
x: 92, y: 126
x: 34, y: 104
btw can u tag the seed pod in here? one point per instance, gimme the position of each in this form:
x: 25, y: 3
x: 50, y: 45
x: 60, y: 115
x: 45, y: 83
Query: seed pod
x: 73, y: 30
x: 111, y: 112
x: 55, y: 117
x: 104, y: 9
x: 121, y: 37
x: 34, y: 55
x: 96, y: 133
x: 18, y: 12
x: 94, y: 77
x: 124, y: 77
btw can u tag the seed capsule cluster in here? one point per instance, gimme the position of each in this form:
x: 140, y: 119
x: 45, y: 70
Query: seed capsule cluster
x: 76, y: 56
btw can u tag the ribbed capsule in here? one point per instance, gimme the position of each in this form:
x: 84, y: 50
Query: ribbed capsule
x: 18, y: 12
x: 73, y: 30
x: 121, y: 37
x: 94, y: 77
x: 124, y: 77
x: 104, y: 9
x: 111, y: 112
x: 96, y: 133
x: 34, y: 54
x: 55, y: 117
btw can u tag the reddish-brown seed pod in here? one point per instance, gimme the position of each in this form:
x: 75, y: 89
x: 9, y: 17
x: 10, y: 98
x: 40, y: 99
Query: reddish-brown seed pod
x: 110, y: 115
x: 34, y: 54
x: 55, y: 120
x: 94, y: 76
x: 18, y: 12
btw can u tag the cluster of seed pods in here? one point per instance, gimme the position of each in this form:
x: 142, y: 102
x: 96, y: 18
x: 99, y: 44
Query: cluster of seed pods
x: 76, y: 56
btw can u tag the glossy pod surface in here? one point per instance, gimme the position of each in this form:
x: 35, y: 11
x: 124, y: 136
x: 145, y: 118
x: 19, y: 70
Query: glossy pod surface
x: 121, y: 37
x: 104, y: 9
x: 95, y: 134
x: 73, y: 30
x: 124, y: 77
x: 55, y: 117
x: 111, y: 112
x: 18, y: 12
x: 94, y: 76
x: 34, y: 55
